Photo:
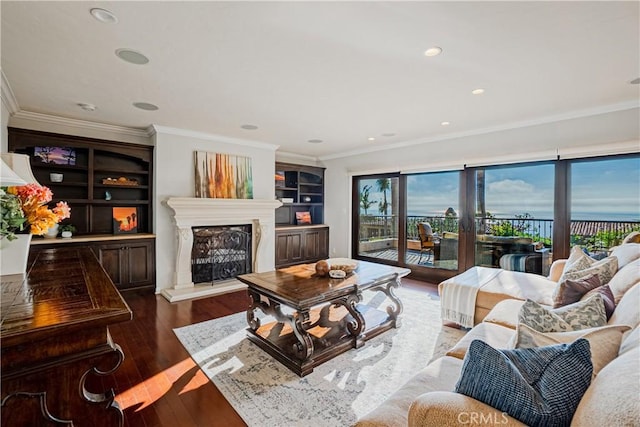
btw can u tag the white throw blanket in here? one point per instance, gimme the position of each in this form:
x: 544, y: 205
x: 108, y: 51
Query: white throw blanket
x: 458, y: 297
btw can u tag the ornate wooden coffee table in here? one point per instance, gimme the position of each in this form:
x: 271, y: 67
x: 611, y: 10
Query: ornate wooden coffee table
x: 317, y: 318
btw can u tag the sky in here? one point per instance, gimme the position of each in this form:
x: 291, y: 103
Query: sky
x: 600, y: 190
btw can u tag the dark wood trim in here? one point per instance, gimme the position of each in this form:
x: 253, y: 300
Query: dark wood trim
x: 562, y: 210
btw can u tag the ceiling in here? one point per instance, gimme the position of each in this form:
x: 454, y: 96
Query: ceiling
x: 341, y: 72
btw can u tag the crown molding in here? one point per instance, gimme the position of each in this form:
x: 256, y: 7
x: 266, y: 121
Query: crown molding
x: 156, y: 129
x: 80, y: 124
x: 629, y: 105
x: 296, y: 156
x: 8, y: 97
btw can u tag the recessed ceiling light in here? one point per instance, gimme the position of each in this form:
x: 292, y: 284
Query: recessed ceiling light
x: 478, y: 91
x: 445, y: 123
x: 315, y: 141
x: 249, y: 127
x: 388, y: 134
x: 433, y: 51
x: 132, y: 56
x: 635, y: 81
x: 371, y: 138
x: 86, y: 107
x: 145, y: 106
x: 104, y: 15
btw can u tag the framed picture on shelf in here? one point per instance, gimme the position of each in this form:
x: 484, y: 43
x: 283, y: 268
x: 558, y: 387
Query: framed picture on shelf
x: 125, y: 220
x: 303, y: 218
x: 55, y: 155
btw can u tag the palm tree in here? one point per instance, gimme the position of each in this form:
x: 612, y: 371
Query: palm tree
x: 365, y: 203
x: 384, y: 184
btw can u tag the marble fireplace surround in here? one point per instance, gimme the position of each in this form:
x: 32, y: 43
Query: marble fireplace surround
x: 191, y: 212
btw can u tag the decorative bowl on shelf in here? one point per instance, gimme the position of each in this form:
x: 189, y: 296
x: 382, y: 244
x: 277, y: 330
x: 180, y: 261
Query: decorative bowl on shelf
x: 345, y: 264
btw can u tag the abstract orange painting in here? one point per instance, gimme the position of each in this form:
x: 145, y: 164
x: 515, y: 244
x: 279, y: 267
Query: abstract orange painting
x: 223, y: 176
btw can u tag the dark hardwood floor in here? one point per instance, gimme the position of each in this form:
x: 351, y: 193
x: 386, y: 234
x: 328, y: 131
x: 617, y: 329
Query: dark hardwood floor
x: 158, y: 384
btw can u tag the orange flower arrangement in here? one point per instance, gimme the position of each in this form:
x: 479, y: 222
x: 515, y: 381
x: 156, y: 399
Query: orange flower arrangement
x: 34, y: 199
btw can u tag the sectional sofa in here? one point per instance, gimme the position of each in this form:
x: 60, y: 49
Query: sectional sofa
x: 428, y: 399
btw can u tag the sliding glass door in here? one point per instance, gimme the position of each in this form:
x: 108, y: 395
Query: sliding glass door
x: 432, y: 220
x: 377, y: 218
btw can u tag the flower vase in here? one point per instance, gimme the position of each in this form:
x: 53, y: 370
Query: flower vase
x: 13, y: 257
x: 52, y: 232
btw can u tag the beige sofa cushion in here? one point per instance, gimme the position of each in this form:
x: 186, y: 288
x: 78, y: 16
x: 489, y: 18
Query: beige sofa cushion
x: 495, y: 335
x: 505, y: 313
x: 612, y: 397
x: 628, y: 311
x: 630, y: 340
x: 626, y: 253
x: 447, y: 409
x: 604, y: 341
x: 624, y: 279
x: 441, y: 375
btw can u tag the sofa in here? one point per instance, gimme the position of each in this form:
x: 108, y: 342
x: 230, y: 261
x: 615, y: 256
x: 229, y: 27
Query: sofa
x: 428, y: 399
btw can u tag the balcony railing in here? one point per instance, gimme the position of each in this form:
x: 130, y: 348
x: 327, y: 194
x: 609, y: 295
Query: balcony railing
x: 594, y: 235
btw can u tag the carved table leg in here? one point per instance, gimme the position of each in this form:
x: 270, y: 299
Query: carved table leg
x: 357, y: 325
x: 303, y: 349
x: 395, y: 309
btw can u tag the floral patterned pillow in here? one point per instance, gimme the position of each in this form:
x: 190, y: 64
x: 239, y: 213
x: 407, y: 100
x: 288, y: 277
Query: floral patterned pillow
x: 589, y: 313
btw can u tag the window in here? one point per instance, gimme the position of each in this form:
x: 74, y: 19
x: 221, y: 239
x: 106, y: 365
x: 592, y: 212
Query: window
x: 605, y: 202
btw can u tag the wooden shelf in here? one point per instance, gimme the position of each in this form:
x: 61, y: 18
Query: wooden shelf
x: 82, y: 187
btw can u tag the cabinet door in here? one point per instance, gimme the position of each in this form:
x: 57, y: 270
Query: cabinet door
x: 289, y: 248
x: 139, y: 260
x: 110, y: 256
x: 316, y: 244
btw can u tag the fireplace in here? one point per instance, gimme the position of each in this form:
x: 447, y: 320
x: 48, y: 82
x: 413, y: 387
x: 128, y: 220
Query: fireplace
x: 220, y: 253
x: 253, y: 217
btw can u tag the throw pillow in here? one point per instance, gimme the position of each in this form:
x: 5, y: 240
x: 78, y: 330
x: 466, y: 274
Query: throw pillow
x: 605, y: 269
x: 607, y: 298
x: 605, y: 341
x: 589, y: 313
x: 624, y: 279
x: 538, y: 386
x: 577, y: 261
x: 570, y: 291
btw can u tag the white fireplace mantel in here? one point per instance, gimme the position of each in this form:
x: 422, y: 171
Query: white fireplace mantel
x: 198, y: 212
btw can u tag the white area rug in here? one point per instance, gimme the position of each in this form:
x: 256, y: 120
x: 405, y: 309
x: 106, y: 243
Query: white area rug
x: 336, y: 393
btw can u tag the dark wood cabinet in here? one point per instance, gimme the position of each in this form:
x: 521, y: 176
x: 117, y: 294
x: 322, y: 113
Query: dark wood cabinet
x: 129, y: 262
x: 301, y: 244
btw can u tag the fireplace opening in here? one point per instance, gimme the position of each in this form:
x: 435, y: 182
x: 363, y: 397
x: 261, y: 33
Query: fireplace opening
x: 220, y: 252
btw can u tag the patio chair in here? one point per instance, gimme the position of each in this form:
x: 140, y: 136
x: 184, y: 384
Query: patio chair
x: 427, y: 241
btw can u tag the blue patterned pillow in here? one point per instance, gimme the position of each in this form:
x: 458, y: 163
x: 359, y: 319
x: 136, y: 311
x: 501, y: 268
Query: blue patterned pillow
x: 539, y: 386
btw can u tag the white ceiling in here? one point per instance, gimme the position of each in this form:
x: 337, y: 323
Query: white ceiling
x: 337, y: 71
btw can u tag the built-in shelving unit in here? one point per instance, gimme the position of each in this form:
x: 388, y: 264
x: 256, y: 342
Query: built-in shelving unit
x: 129, y: 259
x: 301, y: 189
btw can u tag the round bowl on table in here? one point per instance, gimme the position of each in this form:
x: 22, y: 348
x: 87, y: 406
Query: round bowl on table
x: 345, y: 264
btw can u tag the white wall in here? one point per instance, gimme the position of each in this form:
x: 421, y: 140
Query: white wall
x: 4, y: 144
x: 610, y: 133
x: 174, y: 177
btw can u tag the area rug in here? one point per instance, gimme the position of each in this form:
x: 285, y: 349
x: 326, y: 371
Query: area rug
x: 336, y: 393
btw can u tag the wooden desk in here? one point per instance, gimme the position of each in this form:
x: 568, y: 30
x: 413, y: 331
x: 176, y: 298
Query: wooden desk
x: 56, y: 344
